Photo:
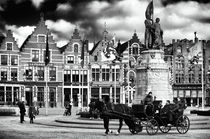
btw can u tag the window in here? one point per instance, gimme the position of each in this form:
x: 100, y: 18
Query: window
x: 67, y: 76
x: 14, y: 60
x: 1, y: 94
x: 28, y: 73
x: 52, y: 73
x: 76, y: 48
x: 105, y: 74
x: 52, y: 96
x: 9, y: 94
x: 4, y: 59
x: 41, y: 38
x: 135, y: 49
x: 75, y: 76
x: 70, y: 59
x: 180, y: 77
x: 40, y: 93
x: 117, y: 74
x: 199, y: 78
x: 9, y: 45
x: 35, y: 55
x: 14, y: 74
x: 16, y: 94
x: 179, y: 62
x: 191, y: 77
x: 83, y: 76
x: 95, y: 74
x: 3, y: 74
x: 40, y: 72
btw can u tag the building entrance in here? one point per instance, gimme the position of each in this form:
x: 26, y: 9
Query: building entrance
x: 75, y: 96
x: 29, y: 96
x: 67, y: 96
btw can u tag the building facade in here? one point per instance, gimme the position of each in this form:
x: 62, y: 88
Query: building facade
x: 76, y: 75
x: 10, y: 87
x: 186, y: 76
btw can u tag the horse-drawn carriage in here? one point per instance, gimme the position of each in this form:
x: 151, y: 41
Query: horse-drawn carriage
x: 149, y: 116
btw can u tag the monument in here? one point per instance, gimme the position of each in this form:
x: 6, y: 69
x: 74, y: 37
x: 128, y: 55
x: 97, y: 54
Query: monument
x: 152, y: 74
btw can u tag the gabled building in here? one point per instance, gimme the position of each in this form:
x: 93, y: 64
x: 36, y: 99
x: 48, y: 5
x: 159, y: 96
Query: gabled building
x: 40, y: 82
x: 186, y: 76
x: 76, y: 75
x: 9, y: 70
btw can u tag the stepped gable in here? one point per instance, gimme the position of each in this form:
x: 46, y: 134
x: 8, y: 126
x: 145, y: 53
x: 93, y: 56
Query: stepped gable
x: 42, y: 29
x: 7, y: 39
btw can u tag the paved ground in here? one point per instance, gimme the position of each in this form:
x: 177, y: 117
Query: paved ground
x: 45, y: 127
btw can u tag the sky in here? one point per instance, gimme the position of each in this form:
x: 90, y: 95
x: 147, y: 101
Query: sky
x: 179, y: 19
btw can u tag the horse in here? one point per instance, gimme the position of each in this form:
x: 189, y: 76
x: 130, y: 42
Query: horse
x: 111, y: 111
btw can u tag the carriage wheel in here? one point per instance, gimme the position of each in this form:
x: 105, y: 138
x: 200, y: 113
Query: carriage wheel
x: 152, y: 127
x: 165, y: 129
x: 183, y: 124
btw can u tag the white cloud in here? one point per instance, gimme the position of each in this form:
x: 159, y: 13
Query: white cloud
x: 63, y: 30
x: 37, y: 2
x: 20, y: 33
x: 63, y: 7
x: 96, y: 7
x: 61, y: 26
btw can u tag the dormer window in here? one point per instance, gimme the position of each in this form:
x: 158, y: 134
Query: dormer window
x: 41, y: 38
x: 76, y: 48
x: 9, y: 45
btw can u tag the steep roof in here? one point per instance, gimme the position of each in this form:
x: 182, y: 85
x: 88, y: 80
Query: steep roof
x: 24, y: 43
x: 94, y: 47
x: 63, y: 48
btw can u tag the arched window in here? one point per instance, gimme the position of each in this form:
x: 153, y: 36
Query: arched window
x: 135, y: 49
x: 76, y: 48
x: 191, y: 77
x: 180, y: 77
x: 179, y: 62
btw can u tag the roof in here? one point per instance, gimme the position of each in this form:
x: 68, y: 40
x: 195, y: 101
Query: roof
x: 63, y: 48
x: 24, y: 43
x: 94, y: 47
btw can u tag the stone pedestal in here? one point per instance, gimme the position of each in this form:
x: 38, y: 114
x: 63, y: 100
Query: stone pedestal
x: 152, y: 74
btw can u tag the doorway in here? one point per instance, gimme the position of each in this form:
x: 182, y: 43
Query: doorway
x: 67, y: 96
x: 75, y: 96
x: 29, y: 96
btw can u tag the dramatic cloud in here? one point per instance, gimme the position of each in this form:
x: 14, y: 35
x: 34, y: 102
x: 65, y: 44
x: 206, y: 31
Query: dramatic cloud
x: 179, y: 18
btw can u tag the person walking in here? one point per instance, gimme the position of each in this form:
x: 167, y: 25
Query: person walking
x: 70, y: 107
x: 31, y: 113
x: 22, y: 111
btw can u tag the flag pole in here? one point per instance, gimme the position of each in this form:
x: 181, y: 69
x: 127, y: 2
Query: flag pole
x: 46, y: 104
x: 115, y: 84
x: 202, y: 77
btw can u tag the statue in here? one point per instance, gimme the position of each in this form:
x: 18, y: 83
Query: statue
x: 149, y: 33
x: 153, y: 32
x: 158, y: 34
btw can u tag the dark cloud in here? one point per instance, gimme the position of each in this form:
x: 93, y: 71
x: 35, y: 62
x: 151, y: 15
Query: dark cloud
x: 19, y: 12
x: 24, y: 12
x: 204, y: 20
x: 168, y: 2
